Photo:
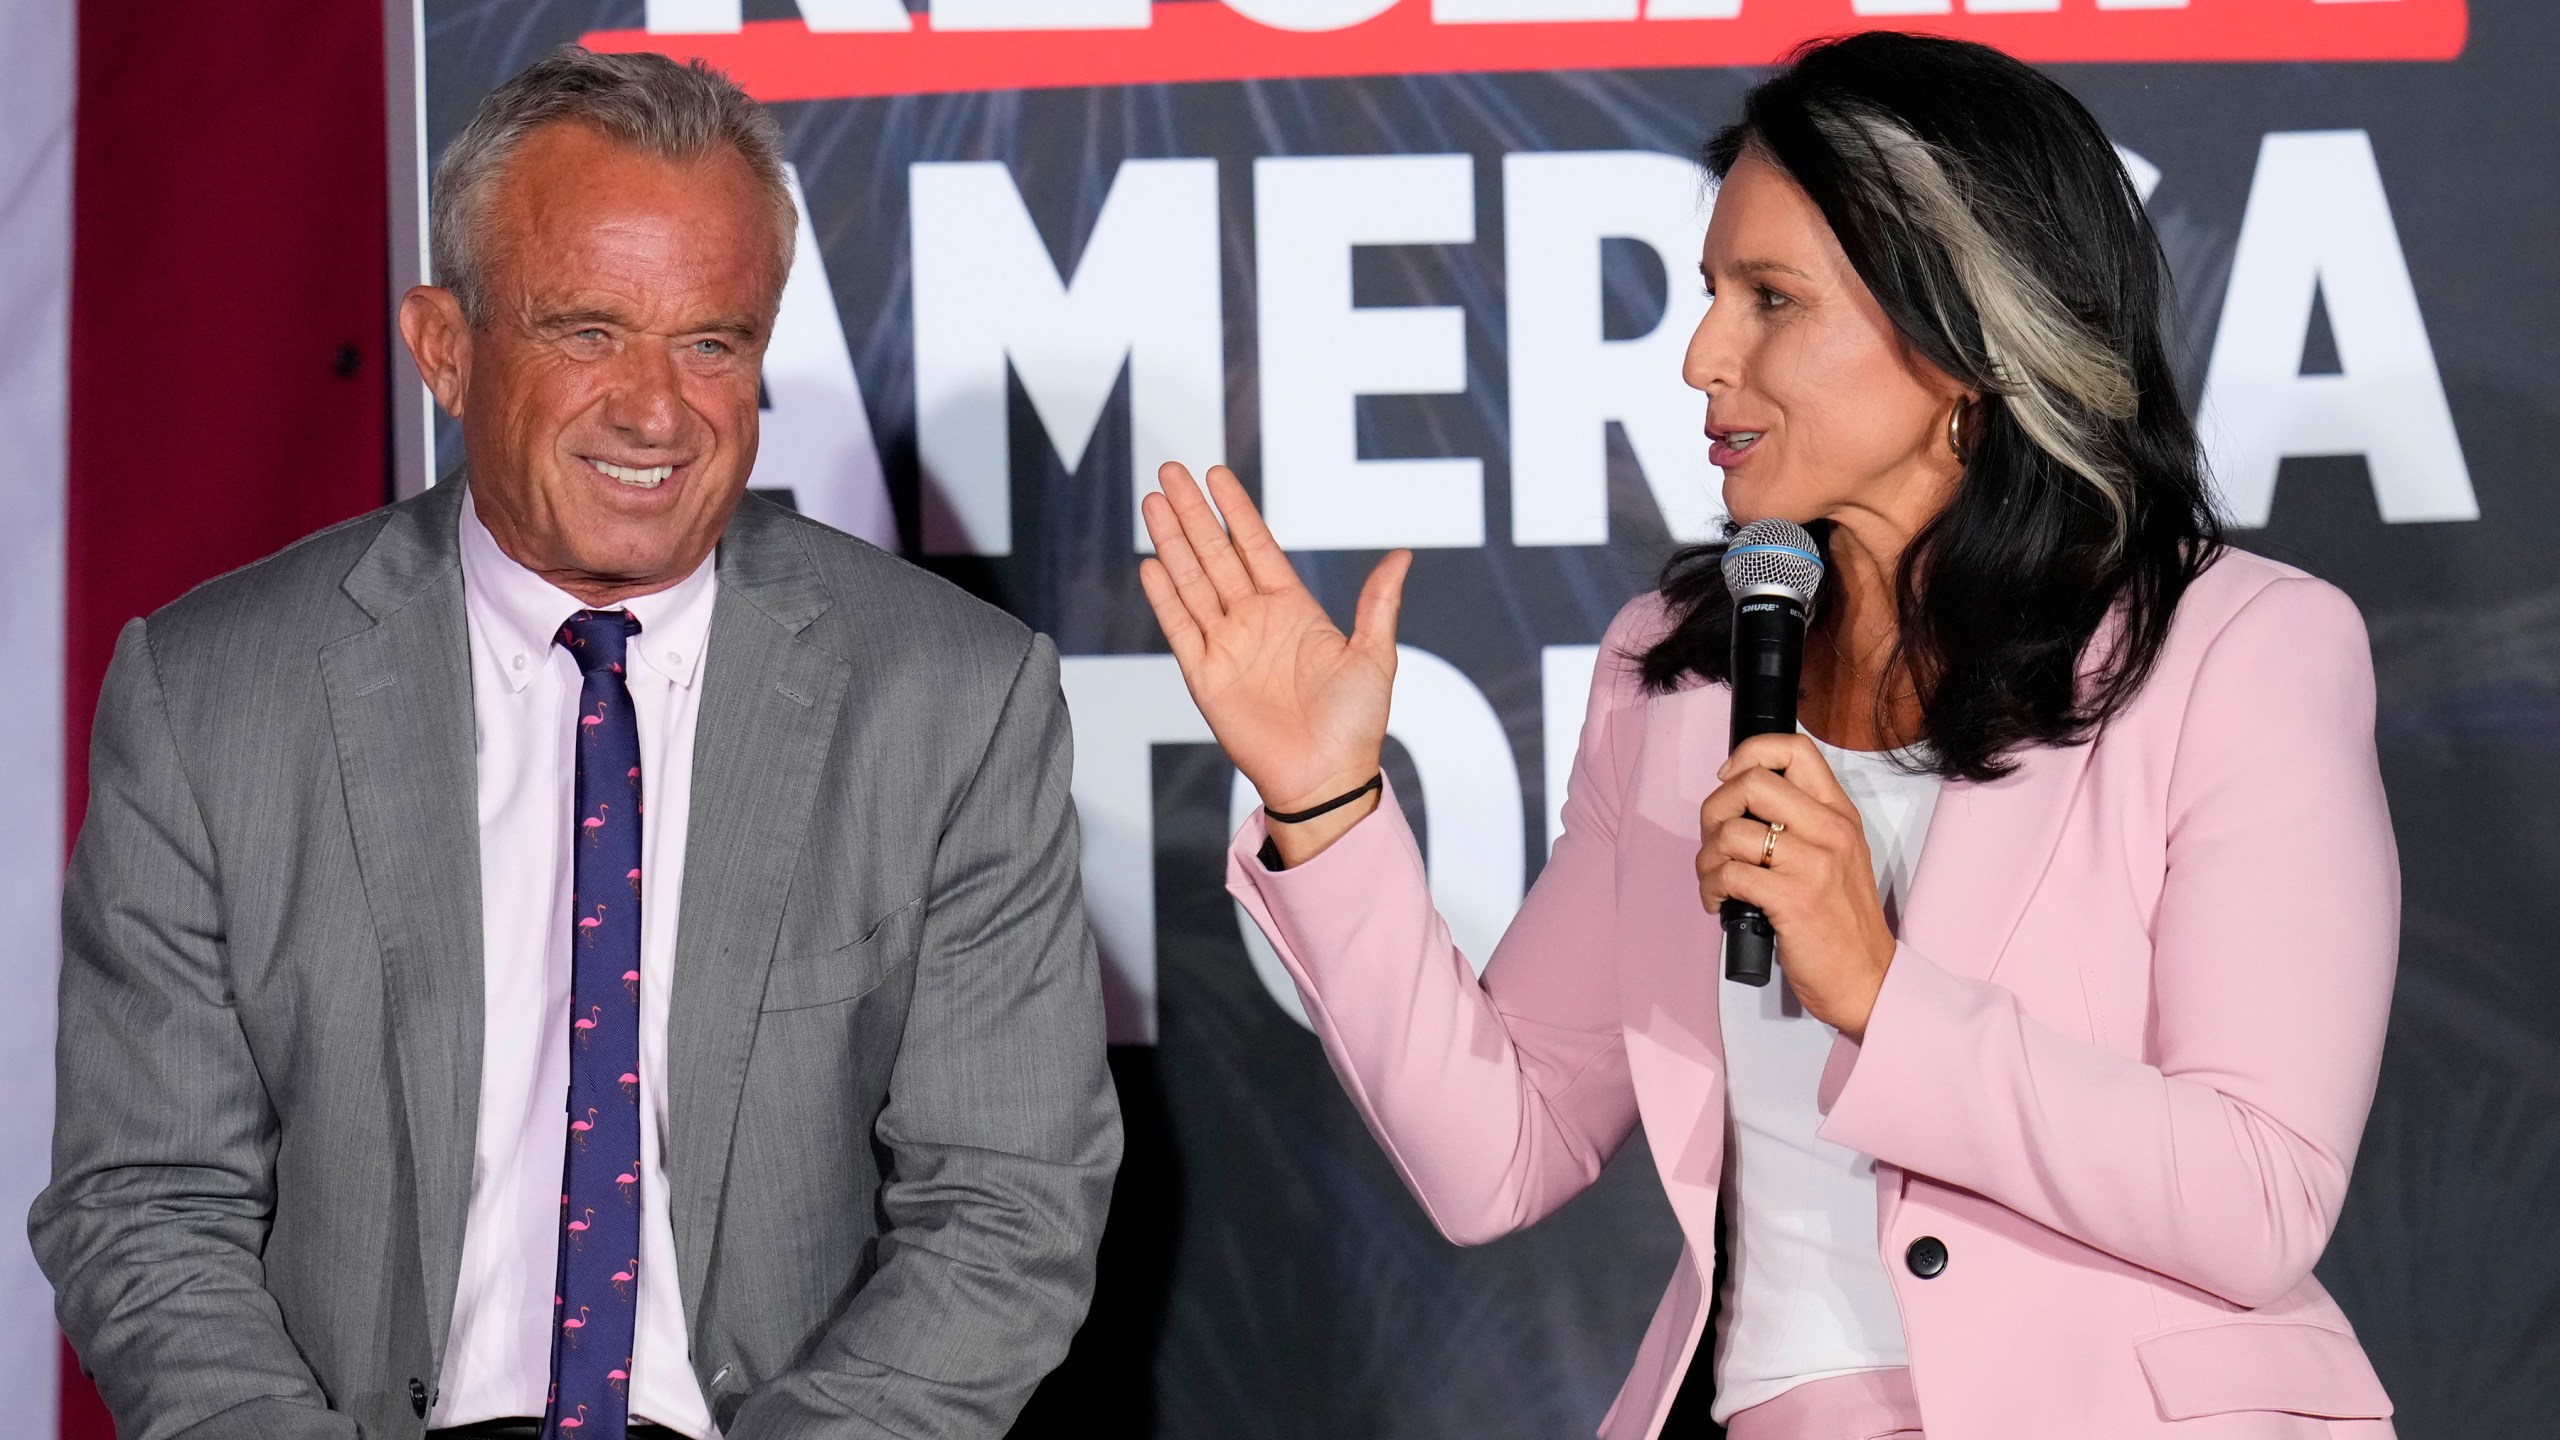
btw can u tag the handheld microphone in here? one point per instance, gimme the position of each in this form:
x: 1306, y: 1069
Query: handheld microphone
x: 1772, y: 568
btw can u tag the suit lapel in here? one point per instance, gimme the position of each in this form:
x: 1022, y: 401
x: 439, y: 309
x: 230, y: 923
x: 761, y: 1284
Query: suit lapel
x: 1671, y: 974
x: 1987, y: 850
x: 769, y: 710
x: 1988, y: 846
x: 400, y: 707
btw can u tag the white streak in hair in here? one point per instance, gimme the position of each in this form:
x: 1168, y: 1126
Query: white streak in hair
x: 2058, y: 378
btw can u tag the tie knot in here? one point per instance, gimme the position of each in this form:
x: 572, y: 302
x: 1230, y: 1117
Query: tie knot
x: 596, y: 638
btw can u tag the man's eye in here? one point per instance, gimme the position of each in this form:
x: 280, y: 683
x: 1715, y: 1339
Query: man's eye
x: 710, y: 349
x: 590, y: 335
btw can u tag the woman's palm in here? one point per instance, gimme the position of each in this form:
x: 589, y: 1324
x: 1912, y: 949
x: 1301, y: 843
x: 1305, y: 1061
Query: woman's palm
x: 1300, y: 707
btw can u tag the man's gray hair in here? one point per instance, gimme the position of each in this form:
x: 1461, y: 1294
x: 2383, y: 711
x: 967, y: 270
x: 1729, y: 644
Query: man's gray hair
x: 647, y: 102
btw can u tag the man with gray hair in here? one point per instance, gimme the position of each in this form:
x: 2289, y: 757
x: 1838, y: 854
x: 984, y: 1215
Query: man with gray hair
x: 584, y: 952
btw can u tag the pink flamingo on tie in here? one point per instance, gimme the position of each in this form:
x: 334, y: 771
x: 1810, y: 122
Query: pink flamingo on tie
x: 575, y: 1422
x: 573, y: 1325
x: 631, y: 982
x: 634, y: 878
x: 633, y: 775
x: 630, y: 1084
x: 622, y: 1279
x: 594, y: 825
x: 578, y: 1130
x: 618, y: 1378
x: 588, y: 722
x: 627, y: 1179
x: 578, y: 1228
x: 586, y: 1025
x: 588, y: 925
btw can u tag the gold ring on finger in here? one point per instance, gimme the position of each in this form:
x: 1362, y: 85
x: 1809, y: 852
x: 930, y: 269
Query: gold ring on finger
x: 1769, y: 843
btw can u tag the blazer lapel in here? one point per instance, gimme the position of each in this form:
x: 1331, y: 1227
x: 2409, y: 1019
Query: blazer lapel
x: 400, y: 706
x: 1987, y: 850
x: 1988, y: 846
x: 769, y: 710
x: 1671, y: 967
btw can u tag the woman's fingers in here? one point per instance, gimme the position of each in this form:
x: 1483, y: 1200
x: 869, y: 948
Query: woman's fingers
x: 1766, y: 795
x: 1720, y: 880
x: 1373, y: 624
x: 1264, y: 561
x: 1172, y: 616
x: 1792, y: 755
x: 1743, y: 839
x: 1746, y: 841
x: 1173, y: 552
x: 1214, y: 552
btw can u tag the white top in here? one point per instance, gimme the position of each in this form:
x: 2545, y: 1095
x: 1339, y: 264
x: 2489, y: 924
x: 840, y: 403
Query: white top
x: 524, y: 706
x: 1805, y: 1294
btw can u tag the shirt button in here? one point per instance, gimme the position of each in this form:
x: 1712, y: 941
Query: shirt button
x: 675, y: 657
x: 1927, y: 1257
x: 520, y: 662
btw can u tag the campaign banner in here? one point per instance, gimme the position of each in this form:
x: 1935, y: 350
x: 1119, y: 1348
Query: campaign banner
x: 1422, y: 271
x: 851, y: 48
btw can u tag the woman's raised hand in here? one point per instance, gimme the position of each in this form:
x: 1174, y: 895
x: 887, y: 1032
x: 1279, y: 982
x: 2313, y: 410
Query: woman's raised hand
x: 1300, y: 707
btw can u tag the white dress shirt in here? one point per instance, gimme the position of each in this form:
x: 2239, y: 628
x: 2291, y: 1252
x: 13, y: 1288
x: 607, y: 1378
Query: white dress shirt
x: 524, y: 703
x: 1805, y: 1294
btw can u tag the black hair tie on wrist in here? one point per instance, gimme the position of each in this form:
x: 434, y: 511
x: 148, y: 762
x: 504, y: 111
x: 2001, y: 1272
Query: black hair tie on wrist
x: 1296, y: 817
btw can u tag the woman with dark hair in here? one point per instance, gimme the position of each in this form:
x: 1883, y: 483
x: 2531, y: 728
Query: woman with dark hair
x: 2084, y: 888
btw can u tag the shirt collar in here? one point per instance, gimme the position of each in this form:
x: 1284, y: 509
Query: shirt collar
x: 520, y: 612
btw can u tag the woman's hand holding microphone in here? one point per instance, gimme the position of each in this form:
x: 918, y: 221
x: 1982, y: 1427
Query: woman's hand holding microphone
x: 1815, y: 879
x: 1299, y: 707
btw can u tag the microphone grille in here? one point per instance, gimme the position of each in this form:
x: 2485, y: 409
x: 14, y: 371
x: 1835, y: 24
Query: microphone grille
x: 1768, y: 555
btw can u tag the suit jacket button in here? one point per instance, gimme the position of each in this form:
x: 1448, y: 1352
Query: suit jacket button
x: 1927, y: 1257
x: 418, y: 1397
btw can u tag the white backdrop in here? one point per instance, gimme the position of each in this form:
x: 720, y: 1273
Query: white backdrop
x: 35, y: 270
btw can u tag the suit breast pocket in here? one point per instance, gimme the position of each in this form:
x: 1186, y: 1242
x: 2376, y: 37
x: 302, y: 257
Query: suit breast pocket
x: 848, y: 972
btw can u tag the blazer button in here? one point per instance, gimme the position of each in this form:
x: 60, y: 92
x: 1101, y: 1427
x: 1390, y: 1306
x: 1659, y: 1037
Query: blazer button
x: 1927, y: 1257
x: 418, y: 1397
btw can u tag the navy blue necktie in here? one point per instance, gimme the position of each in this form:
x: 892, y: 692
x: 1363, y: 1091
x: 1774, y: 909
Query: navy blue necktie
x: 594, y: 1304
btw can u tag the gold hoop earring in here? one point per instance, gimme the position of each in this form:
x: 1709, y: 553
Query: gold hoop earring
x: 1955, y: 432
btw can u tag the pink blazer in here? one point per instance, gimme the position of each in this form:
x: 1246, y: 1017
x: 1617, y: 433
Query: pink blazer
x: 2119, y: 1067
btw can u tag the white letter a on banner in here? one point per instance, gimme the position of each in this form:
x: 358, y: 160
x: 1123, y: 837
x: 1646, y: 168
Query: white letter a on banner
x: 2319, y: 228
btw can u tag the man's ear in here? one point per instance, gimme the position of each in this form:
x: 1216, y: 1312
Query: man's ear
x: 439, y: 337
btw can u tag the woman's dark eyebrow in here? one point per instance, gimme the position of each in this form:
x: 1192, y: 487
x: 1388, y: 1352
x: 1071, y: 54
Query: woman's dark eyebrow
x: 1752, y: 267
x: 1763, y: 267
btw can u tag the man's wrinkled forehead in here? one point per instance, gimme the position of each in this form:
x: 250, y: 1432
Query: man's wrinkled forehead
x: 579, y: 225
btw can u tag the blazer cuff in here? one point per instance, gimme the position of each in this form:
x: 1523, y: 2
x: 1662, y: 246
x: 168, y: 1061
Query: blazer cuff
x: 1894, y: 1086
x: 1323, y: 909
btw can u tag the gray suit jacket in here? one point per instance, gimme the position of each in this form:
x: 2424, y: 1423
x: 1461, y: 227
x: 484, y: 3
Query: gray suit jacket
x: 891, y: 1134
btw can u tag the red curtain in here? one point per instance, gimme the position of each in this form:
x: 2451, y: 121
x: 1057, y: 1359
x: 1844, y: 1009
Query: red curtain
x: 229, y: 345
